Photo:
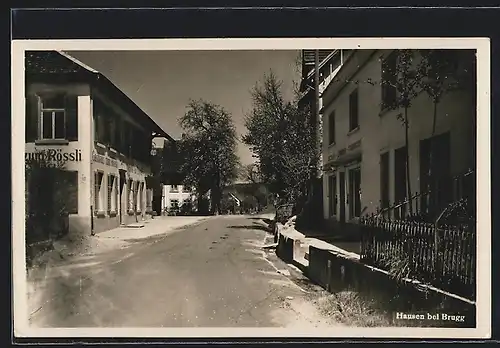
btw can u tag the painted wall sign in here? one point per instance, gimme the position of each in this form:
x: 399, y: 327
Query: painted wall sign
x: 104, y: 160
x: 54, y: 155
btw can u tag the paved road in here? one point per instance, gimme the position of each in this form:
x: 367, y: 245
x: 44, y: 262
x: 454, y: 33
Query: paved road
x: 213, y: 274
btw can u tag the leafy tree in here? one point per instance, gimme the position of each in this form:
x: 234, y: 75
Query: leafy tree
x: 406, y: 81
x: 46, y: 200
x: 439, y: 75
x: 279, y: 135
x: 208, y: 149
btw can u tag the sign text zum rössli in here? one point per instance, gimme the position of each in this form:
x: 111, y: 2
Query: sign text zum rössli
x: 55, y: 155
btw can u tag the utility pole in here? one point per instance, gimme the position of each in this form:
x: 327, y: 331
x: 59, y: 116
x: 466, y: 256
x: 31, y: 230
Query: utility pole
x: 317, y: 113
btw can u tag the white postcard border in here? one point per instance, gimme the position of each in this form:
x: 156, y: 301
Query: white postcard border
x: 483, y: 303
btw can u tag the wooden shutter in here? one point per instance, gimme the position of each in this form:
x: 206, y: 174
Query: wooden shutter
x: 32, y: 117
x: 71, y: 117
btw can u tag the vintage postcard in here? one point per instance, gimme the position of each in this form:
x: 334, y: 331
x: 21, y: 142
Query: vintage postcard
x: 314, y: 188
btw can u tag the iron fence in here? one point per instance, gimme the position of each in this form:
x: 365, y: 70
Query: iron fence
x: 443, y: 256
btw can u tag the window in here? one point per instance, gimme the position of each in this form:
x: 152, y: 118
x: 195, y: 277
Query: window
x: 389, y: 79
x: 58, y: 117
x: 435, y: 173
x: 149, y: 200
x: 140, y: 196
x: 117, y: 194
x: 399, y: 177
x: 112, y: 193
x: 174, y: 204
x: 98, y: 192
x: 332, y: 189
x: 353, y: 110
x: 384, y: 180
x: 174, y: 188
x: 186, y: 188
x: 354, y: 192
x: 130, y: 195
x: 331, y: 128
x: 136, y: 195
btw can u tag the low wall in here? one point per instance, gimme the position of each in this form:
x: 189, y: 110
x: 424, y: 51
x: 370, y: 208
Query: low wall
x: 336, y: 272
x: 284, y: 249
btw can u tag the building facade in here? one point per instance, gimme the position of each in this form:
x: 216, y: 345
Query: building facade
x: 364, y: 143
x: 330, y: 62
x: 76, y: 114
x: 175, y: 197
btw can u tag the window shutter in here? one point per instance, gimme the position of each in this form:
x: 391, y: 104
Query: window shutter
x: 72, y: 117
x: 32, y: 116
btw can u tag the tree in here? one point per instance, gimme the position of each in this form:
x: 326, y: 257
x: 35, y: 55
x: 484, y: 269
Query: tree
x: 208, y: 150
x: 279, y: 135
x: 251, y: 173
x: 406, y: 82
x: 439, y: 74
x: 47, y: 200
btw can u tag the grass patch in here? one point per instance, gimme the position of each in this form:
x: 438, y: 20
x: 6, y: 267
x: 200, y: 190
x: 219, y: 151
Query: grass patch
x: 348, y: 308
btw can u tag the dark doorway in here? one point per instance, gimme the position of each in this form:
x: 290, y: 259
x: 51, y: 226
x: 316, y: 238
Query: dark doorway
x: 342, y: 196
x: 435, y: 173
x: 354, y: 193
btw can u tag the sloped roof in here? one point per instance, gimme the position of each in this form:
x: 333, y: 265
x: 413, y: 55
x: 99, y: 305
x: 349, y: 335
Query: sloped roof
x: 54, y: 66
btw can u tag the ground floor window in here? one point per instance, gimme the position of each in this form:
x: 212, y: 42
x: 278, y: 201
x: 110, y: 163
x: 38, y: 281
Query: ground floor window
x: 354, y: 178
x: 98, y: 192
x: 140, y: 196
x: 400, y: 184
x: 332, y: 193
x: 149, y: 199
x: 130, y: 195
x: 135, y: 191
x: 435, y: 173
x: 384, y: 180
x: 174, y: 204
x: 112, y: 192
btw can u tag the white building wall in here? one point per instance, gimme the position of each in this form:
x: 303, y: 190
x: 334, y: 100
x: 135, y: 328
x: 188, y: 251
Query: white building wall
x: 379, y: 132
x: 170, y: 194
x: 80, y: 222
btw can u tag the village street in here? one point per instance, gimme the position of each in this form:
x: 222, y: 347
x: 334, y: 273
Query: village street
x: 215, y: 273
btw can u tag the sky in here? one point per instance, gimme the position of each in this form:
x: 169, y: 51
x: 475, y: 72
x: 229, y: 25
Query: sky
x: 161, y: 83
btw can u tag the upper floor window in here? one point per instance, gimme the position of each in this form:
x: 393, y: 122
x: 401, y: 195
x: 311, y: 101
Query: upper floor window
x: 51, y: 117
x: 331, y: 128
x: 389, y: 80
x: 353, y: 110
x: 174, y: 188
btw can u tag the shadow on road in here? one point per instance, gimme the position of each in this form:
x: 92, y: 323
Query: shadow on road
x: 267, y: 221
x: 251, y: 227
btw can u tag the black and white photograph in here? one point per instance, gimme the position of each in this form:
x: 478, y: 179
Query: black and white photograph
x: 251, y: 187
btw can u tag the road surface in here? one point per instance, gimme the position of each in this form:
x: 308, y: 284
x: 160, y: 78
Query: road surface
x: 213, y: 274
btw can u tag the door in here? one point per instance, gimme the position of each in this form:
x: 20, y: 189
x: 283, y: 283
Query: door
x: 342, y: 196
x: 354, y: 193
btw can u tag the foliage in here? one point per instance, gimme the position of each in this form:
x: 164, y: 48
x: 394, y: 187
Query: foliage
x: 208, y: 149
x: 438, y: 70
x: 46, y: 193
x: 279, y: 135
